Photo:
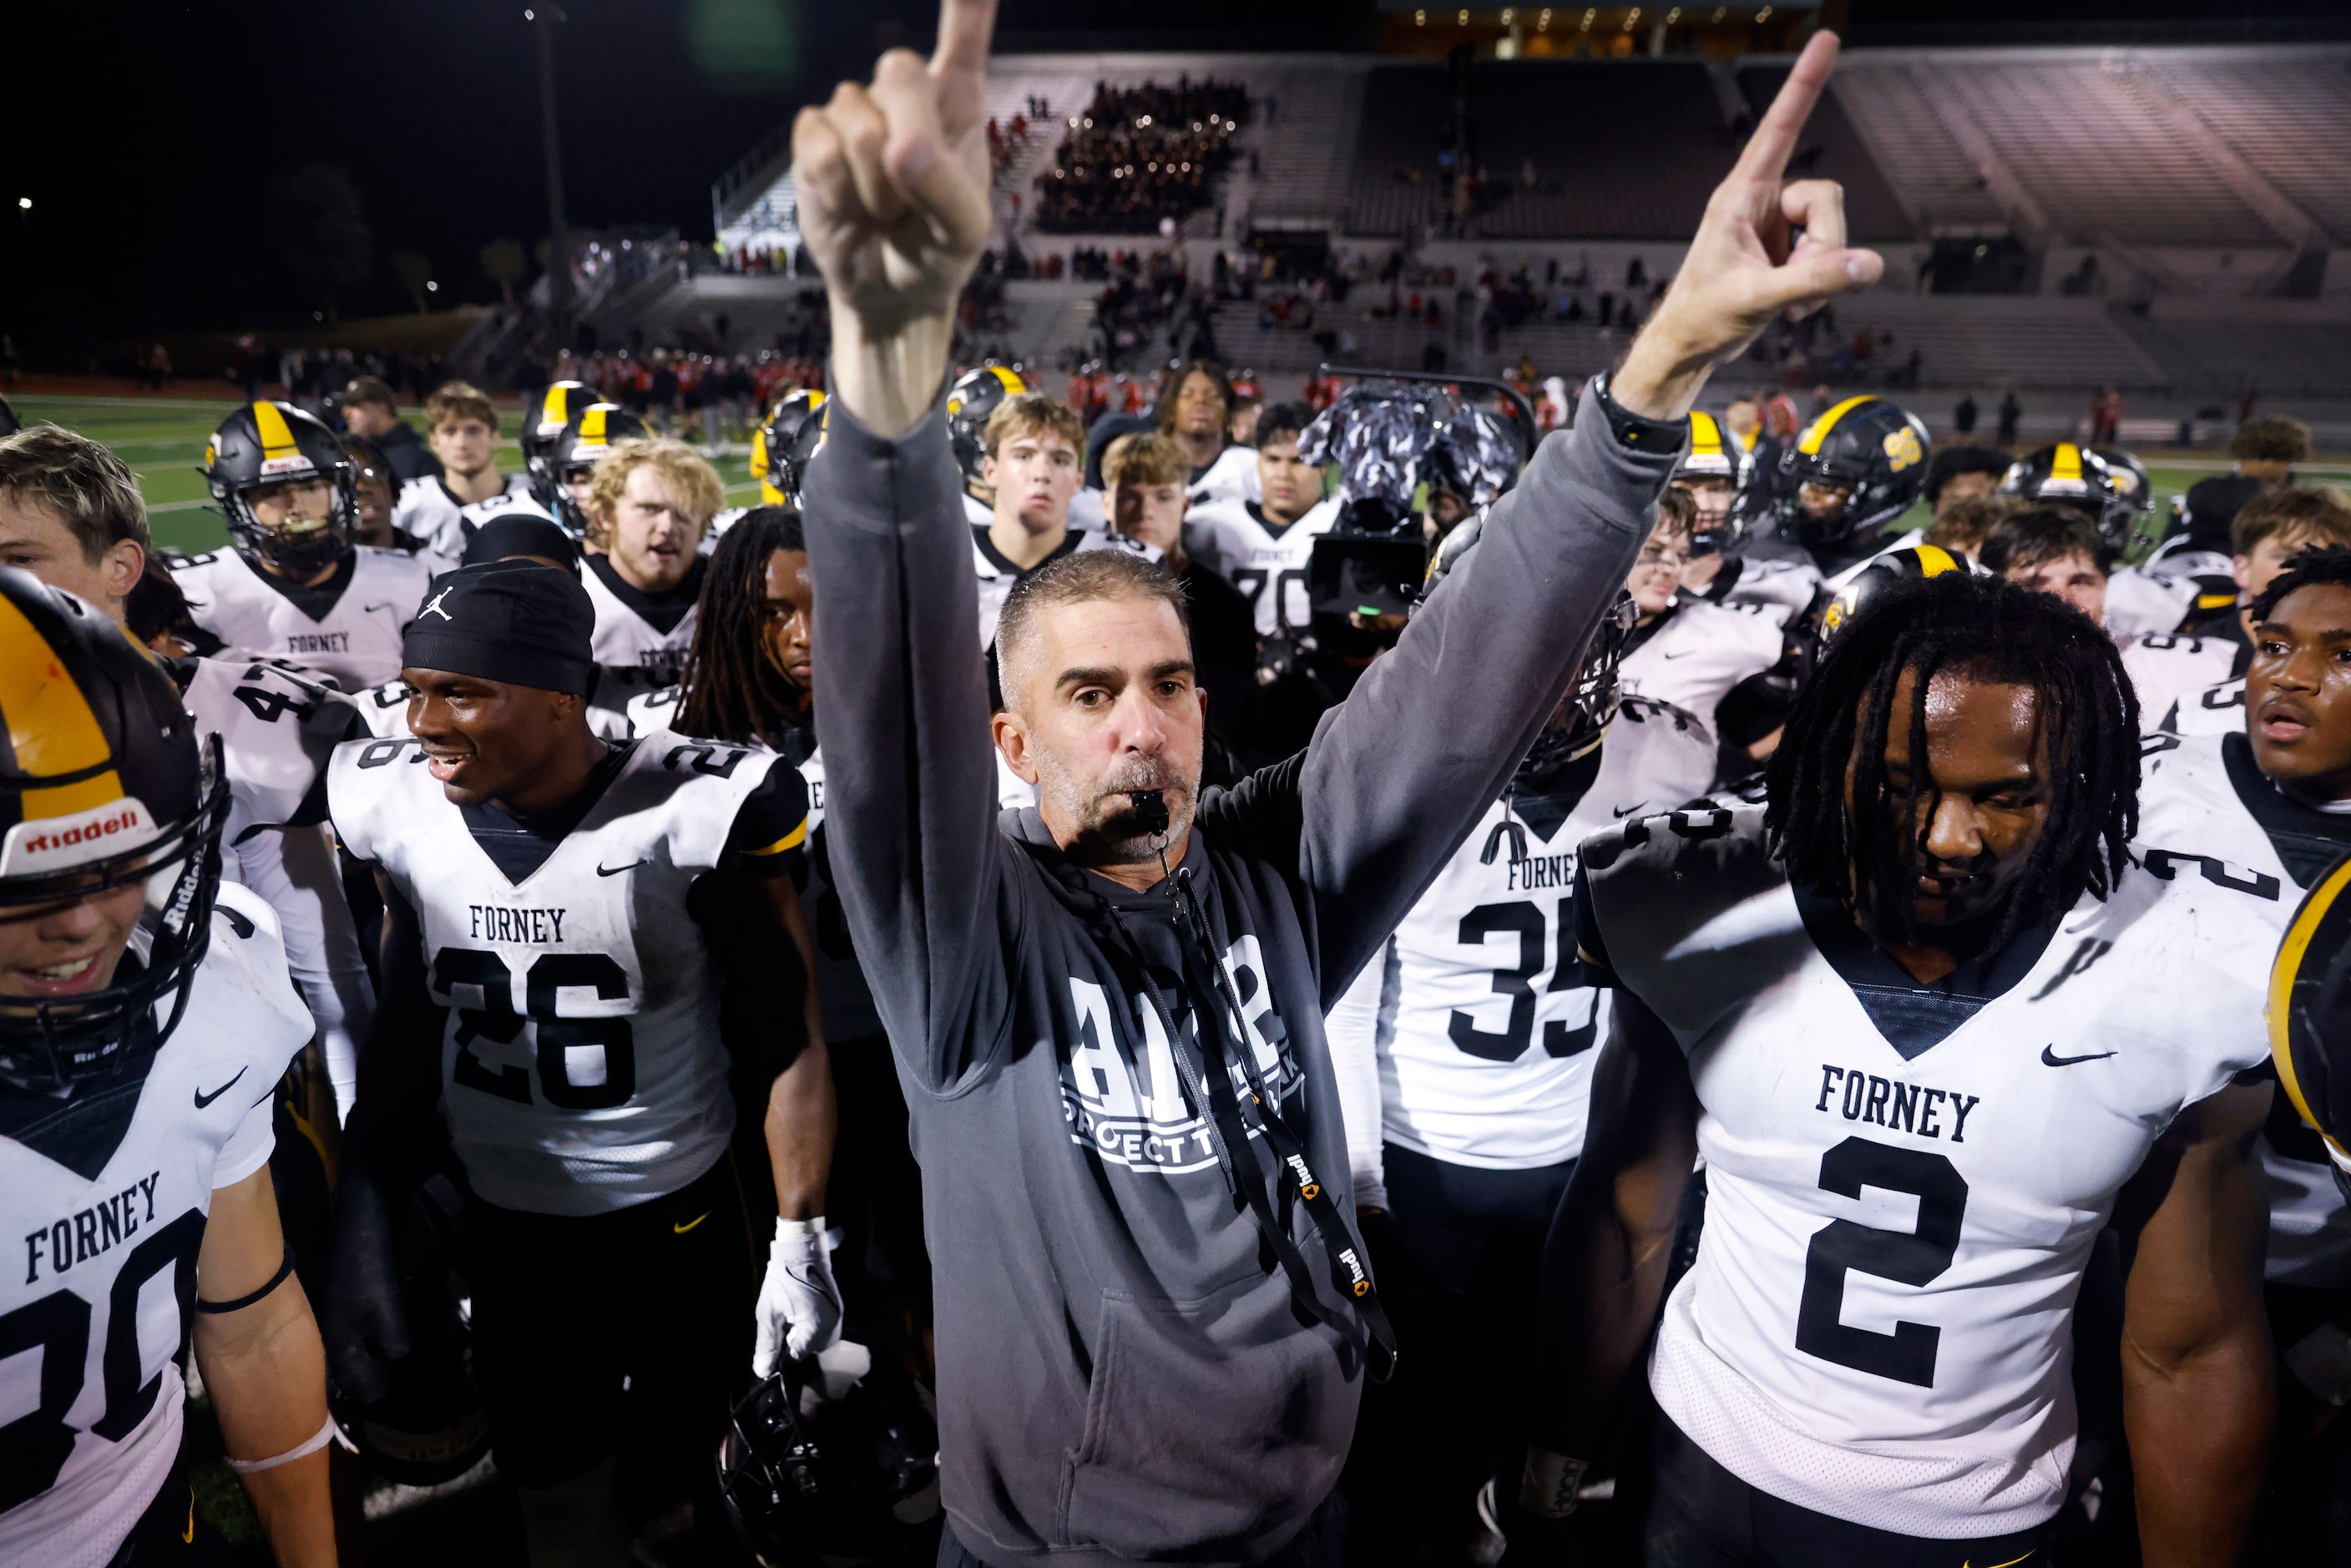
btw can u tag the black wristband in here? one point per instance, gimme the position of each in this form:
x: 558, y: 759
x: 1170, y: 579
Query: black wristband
x: 1634, y: 432
x: 284, y: 1268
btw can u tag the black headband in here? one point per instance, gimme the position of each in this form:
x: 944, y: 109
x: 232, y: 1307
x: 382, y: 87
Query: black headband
x: 510, y: 621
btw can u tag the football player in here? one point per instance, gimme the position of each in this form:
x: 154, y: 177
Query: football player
x: 295, y: 584
x: 1925, y: 970
x: 1694, y: 699
x: 145, y: 1019
x: 972, y: 401
x: 781, y: 446
x: 1463, y: 1057
x: 1715, y: 472
x: 2109, y: 489
x: 566, y: 920
x: 1033, y: 463
x: 1854, y: 470
x: 2267, y: 801
x: 1261, y: 545
x: 1957, y: 474
x: 564, y: 478
x: 1196, y: 411
x: 461, y: 425
x: 648, y: 505
x: 2056, y: 550
x: 70, y: 514
x: 2197, y: 541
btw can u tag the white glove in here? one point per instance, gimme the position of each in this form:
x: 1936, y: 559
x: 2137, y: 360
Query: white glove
x: 799, y: 1306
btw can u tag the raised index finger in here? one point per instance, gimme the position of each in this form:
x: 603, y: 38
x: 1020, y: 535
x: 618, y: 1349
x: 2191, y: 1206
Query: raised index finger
x: 1766, y: 156
x: 966, y: 27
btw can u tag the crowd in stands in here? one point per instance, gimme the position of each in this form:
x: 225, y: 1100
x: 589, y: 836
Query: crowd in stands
x: 1140, y: 154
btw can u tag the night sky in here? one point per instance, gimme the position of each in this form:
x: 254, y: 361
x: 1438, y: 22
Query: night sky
x: 149, y: 132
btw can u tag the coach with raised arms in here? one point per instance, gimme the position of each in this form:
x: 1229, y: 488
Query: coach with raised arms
x: 1153, y: 1312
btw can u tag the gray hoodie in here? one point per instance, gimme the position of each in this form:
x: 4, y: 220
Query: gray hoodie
x: 1121, y: 1376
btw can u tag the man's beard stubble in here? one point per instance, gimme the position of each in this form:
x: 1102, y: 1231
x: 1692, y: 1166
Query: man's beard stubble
x: 1105, y: 819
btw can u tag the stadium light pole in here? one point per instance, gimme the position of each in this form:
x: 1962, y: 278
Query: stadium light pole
x: 559, y: 236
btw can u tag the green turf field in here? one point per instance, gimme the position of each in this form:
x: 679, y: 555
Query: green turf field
x: 163, y: 439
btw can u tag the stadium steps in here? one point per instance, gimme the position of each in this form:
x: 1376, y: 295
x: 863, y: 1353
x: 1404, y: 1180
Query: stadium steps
x: 2287, y: 359
x: 1833, y: 149
x: 1303, y: 155
x: 1941, y: 184
x: 2273, y: 109
x: 1992, y: 340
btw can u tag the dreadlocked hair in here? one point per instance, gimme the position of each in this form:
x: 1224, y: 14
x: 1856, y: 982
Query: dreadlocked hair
x: 729, y: 689
x: 1982, y: 629
x: 2327, y: 565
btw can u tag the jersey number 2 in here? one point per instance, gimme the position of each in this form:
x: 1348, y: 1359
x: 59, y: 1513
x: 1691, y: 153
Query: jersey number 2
x: 496, y: 1020
x: 1907, y: 1258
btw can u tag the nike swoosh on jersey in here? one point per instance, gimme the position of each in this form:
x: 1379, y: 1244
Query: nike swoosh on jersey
x: 2049, y: 1058
x: 203, y: 1099
x: 617, y: 870
x: 682, y: 1230
x: 2012, y: 1563
x: 1682, y: 653
x: 371, y: 609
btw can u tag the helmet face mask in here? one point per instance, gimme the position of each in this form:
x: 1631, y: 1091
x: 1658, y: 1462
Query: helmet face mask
x: 976, y: 395
x: 1713, y: 471
x: 557, y: 472
x: 1581, y: 719
x: 789, y: 440
x: 1855, y: 469
x: 290, y: 491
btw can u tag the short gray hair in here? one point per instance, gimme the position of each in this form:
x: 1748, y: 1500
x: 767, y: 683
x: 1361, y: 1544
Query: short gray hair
x: 89, y: 489
x: 1076, y: 578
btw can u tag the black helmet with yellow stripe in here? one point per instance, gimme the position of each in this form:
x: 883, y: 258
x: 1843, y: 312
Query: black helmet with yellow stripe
x: 595, y: 429
x: 2107, y: 486
x: 970, y: 401
x: 287, y: 486
x: 1854, y: 470
x: 1712, y: 459
x: 542, y: 425
x: 1912, y: 563
x: 2310, y: 1015
x: 103, y: 786
x: 781, y: 448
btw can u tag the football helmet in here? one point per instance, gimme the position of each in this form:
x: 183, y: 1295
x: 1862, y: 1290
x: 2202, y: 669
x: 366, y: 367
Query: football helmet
x: 541, y: 427
x: 2310, y: 1015
x: 809, y: 1478
x: 594, y: 430
x: 1867, y: 447
x: 262, y: 447
x: 2105, y: 484
x: 780, y: 449
x: 1583, y: 715
x: 106, y: 785
x: 969, y: 403
x: 1911, y: 563
x: 1712, y: 455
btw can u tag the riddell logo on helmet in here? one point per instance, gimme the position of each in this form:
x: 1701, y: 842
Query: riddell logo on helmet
x: 83, y: 838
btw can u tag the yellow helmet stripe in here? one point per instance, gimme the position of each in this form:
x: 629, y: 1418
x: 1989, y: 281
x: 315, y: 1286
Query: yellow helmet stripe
x: 1009, y: 379
x: 1934, y: 561
x: 591, y: 425
x: 2290, y: 954
x: 50, y: 724
x: 1706, y: 435
x: 1810, y: 444
x: 2066, y: 464
x: 276, y: 436
x: 555, y: 409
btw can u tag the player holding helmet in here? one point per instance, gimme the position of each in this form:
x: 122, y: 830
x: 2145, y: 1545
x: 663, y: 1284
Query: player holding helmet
x: 1717, y: 474
x: 295, y: 584
x: 145, y: 1017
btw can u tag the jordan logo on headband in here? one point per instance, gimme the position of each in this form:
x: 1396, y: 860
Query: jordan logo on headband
x: 432, y: 606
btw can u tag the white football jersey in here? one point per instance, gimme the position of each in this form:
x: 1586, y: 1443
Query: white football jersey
x: 1879, y: 1323
x: 1770, y: 586
x: 650, y: 711
x: 355, y: 642
x: 2164, y: 668
x: 106, y: 1198
x: 1231, y: 479
x: 1661, y: 750
x: 385, y: 708
x: 2198, y: 799
x: 997, y: 575
x: 2142, y: 603
x: 1266, y: 564
x: 2216, y: 710
x: 515, y: 501
x: 584, y: 1066
x: 1085, y: 512
x: 1483, y: 1034
x: 426, y: 510
x: 626, y: 641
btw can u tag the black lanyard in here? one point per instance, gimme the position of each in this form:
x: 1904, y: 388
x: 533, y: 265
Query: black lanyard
x: 1210, y: 1083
